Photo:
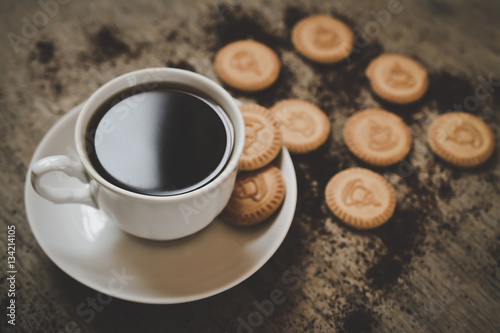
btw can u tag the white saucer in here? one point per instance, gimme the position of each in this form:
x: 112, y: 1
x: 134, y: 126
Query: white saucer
x: 92, y: 250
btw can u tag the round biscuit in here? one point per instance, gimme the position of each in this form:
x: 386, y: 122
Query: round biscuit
x: 461, y: 139
x: 263, y: 139
x: 256, y: 196
x: 361, y: 198
x: 323, y: 39
x: 247, y: 65
x: 377, y: 137
x: 397, y: 78
x: 304, y: 126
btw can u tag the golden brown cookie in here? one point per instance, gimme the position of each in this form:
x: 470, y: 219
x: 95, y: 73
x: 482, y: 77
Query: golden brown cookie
x: 361, y: 198
x: 323, y: 39
x: 461, y: 139
x: 303, y: 125
x: 247, y: 65
x: 397, y: 78
x: 256, y: 196
x: 262, y: 137
x: 377, y: 137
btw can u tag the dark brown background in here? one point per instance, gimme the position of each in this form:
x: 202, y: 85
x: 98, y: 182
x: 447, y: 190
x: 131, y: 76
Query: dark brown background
x: 434, y: 267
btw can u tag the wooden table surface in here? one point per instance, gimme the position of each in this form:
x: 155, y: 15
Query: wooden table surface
x: 434, y: 267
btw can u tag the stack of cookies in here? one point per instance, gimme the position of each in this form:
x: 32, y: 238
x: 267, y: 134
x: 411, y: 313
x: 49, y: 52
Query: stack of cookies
x: 259, y: 188
x: 359, y: 197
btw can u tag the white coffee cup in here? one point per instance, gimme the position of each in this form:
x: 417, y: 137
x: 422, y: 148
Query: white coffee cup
x: 146, y: 216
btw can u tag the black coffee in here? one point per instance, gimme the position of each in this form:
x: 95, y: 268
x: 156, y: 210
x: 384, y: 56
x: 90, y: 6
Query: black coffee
x: 160, y: 142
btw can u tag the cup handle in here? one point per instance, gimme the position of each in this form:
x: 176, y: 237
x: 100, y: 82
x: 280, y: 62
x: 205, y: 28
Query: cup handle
x: 72, y: 168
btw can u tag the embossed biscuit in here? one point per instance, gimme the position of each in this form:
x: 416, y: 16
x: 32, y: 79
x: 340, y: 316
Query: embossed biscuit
x: 323, y: 39
x: 397, y: 78
x: 461, y: 139
x: 247, y: 65
x: 360, y: 197
x: 377, y: 137
x: 263, y: 139
x: 256, y: 196
x: 303, y: 125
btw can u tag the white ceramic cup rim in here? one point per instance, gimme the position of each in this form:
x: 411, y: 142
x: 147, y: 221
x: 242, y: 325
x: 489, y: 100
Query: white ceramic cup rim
x: 172, y: 76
